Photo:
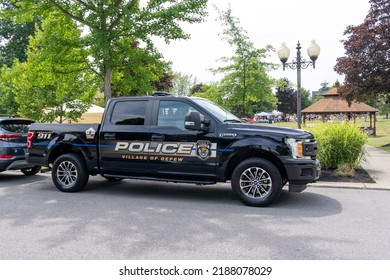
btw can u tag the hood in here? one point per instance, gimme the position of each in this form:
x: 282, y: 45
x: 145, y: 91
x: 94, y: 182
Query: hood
x: 268, y: 131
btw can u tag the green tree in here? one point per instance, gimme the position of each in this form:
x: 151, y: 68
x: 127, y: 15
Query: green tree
x: 324, y: 87
x: 52, y: 84
x: 258, y: 107
x: 287, y: 97
x: 165, y: 83
x: 113, y: 26
x: 8, y: 104
x: 214, y: 93
x: 383, y: 104
x: 366, y: 64
x: 13, y: 36
x: 197, y: 88
x: 245, y: 78
x: 183, y: 83
x: 306, y: 98
x: 138, y: 71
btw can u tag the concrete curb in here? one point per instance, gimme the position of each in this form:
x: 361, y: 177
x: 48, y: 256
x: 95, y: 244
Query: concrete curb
x: 346, y: 185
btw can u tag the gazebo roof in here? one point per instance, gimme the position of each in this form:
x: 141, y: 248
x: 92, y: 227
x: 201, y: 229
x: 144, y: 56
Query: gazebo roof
x: 333, y: 103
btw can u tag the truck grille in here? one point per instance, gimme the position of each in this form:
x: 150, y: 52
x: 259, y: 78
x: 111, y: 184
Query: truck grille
x: 310, y: 149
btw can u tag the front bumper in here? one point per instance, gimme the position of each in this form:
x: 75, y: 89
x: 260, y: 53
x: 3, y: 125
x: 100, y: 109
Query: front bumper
x: 302, y: 172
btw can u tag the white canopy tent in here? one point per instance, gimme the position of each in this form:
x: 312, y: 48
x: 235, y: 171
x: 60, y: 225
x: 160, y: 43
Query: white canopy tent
x: 93, y: 115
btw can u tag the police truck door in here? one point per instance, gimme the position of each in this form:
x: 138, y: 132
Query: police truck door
x: 123, y: 137
x: 178, y: 152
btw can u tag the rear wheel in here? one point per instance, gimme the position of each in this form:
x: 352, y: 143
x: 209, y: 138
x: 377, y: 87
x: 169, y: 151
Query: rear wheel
x: 70, y: 173
x: 31, y: 171
x: 256, y: 182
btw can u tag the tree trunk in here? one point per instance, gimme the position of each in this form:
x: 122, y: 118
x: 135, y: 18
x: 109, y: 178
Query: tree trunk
x: 107, y: 83
x: 244, y: 93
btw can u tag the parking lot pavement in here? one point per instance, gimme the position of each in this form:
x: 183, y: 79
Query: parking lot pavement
x: 154, y: 220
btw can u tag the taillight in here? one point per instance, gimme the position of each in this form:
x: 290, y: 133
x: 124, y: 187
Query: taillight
x: 9, y: 137
x: 30, y: 137
x: 6, y: 156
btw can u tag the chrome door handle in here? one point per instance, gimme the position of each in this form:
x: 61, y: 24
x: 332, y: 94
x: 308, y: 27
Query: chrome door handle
x: 109, y: 136
x: 158, y: 137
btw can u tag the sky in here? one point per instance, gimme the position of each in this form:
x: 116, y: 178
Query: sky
x: 270, y: 22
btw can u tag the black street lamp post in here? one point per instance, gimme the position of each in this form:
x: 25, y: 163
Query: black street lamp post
x: 298, y: 63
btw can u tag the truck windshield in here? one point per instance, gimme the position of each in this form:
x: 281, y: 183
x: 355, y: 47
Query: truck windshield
x: 218, y: 112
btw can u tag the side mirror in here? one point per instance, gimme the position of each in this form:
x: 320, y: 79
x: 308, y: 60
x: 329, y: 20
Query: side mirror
x: 195, y: 121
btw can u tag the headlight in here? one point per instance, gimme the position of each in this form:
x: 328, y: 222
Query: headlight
x: 296, y: 148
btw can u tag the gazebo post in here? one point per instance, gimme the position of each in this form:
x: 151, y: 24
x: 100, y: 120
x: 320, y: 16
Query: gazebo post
x: 375, y: 124
x: 370, y: 120
x: 323, y: 116
x: 354, y: 118
x: 304, y: 119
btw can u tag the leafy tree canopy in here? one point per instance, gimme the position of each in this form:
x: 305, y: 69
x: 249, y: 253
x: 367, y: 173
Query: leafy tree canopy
x: 324, y: 87
x: 13, y: 36
x: 183, y: 84
x: 52, y: 84
x: 287, y: 97
x: 366, y: 64
x: 111, y: 28
x: 8, y: 104
x: 214, y: 93
x: 245, y: 78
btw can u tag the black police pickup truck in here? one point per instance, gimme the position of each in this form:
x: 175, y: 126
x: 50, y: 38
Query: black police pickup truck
x: 178, y: 139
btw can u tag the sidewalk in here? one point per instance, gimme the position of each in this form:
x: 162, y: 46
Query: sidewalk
x: 378, y: 167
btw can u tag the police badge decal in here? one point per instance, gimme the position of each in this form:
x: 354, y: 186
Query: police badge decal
x: 203, y: 149
x: 90, y: 133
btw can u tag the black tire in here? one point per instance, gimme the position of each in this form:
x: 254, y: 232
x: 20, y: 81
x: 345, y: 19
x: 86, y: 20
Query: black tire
x: 256, y: 182
x: 70, y: 173
x: 31, y: 171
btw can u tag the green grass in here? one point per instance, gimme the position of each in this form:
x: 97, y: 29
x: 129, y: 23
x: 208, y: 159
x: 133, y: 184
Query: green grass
x: 381, y: 141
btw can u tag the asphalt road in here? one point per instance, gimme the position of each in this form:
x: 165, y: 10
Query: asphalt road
x: 148, y: 220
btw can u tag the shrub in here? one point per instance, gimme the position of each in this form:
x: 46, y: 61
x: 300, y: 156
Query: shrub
x: 344, y: 170
x: 339, y: 143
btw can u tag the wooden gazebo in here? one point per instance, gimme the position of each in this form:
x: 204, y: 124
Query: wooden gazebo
x: 332, y: 103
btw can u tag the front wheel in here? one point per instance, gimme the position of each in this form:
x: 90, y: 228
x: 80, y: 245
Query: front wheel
x: 256, y: 182
x: 70, y: 173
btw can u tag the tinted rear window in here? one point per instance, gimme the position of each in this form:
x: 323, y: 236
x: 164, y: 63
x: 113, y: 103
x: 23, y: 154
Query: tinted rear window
x: 129, y: 113
x: 16, y: 126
